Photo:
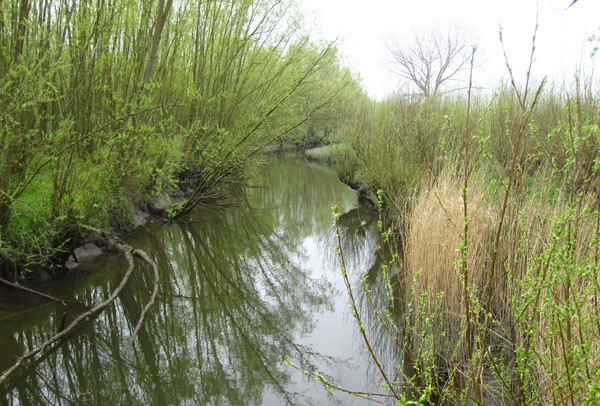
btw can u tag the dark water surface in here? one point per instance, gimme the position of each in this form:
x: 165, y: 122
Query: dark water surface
x: 241, y: 288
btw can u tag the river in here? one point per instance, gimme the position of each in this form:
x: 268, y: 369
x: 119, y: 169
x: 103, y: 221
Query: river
x: 241, y: 288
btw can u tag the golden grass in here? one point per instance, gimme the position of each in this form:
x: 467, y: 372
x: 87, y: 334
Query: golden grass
x: 546, y: 289
x: 434, y: 234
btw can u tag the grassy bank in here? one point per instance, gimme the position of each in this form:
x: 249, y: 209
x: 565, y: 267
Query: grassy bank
x: 498, y: 205
x: 342, y: 159
x: 107, y: 108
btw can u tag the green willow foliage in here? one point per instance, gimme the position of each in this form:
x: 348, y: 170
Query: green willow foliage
x: 102, y: 102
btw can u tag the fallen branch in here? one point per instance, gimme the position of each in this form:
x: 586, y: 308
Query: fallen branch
x: 142, y: 255
x: 331, y: 386
x: 125, y: 251
x: 30, y: 291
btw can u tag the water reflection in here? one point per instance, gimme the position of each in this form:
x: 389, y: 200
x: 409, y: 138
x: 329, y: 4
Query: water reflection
x: 240, y: 288
x: 365, y: 257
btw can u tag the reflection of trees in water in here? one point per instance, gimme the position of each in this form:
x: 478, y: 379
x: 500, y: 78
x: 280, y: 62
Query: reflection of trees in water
x: 231, y: 301
x: 359, y: 239
x: 364, y: 258
x: 230, y: 304
x: 303, y: 200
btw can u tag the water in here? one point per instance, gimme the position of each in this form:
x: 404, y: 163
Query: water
x: 241, y: 288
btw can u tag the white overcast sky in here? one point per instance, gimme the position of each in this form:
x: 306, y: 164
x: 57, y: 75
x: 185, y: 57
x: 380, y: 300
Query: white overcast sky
x: 364, y: 27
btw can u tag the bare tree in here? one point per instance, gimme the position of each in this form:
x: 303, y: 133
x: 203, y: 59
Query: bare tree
x: 432, y: 60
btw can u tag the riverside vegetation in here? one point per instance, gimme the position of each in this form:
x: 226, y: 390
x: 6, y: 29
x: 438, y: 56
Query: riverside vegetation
x: 495, y: 201
x: 495, y: 205
x: 108, y: 105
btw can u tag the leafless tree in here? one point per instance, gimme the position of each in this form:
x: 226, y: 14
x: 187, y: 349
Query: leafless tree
x: 431, y: 60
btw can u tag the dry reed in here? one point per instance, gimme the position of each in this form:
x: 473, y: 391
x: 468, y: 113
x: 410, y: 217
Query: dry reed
x: 545, y: 295
x: 434, y: 233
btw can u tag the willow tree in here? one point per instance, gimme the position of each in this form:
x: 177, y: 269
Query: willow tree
x: 103, y: 101
x: 249, y: 65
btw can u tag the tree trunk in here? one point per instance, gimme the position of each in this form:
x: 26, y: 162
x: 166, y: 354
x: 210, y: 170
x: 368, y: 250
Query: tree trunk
x: 162, y: 14
x: 20, y: 34
x: 5, y: 200
x: 6, y: 169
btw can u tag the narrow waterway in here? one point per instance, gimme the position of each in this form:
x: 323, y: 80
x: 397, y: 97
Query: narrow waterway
x: 242, y: 287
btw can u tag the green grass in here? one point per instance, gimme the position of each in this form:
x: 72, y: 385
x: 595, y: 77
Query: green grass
x: 321, y: 154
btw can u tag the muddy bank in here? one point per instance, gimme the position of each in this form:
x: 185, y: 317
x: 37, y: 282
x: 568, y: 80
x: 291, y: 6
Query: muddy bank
x: 79, y: 247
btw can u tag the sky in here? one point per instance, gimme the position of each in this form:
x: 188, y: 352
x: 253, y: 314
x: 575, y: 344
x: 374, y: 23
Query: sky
x: 365, y: 27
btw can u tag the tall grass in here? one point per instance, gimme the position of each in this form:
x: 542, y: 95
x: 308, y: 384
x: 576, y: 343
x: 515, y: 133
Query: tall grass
x: 396, y: 144
x: 497, y: 200
x: 544, y: 332
x: 432, y: 260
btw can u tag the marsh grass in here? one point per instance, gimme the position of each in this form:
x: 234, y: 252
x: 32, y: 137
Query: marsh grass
x: 431, y: 256
x: 544, y: 331
x: 498, y: 204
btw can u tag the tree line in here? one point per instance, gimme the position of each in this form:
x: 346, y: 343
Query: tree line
x: 105, y: 103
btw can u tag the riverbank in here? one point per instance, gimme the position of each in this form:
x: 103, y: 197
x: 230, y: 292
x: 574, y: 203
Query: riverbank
x: 257, y: 281
x: 83, y: 244
x: 64, y: 243
x: 498, y: 208
x: 340, y: 158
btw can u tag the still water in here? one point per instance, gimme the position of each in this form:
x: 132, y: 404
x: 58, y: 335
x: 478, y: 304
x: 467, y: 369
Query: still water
x: 241, y: 287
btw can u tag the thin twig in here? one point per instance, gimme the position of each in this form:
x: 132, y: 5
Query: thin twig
x: 355, y: 312
x: 465, y: 245
x: 319, y: 378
